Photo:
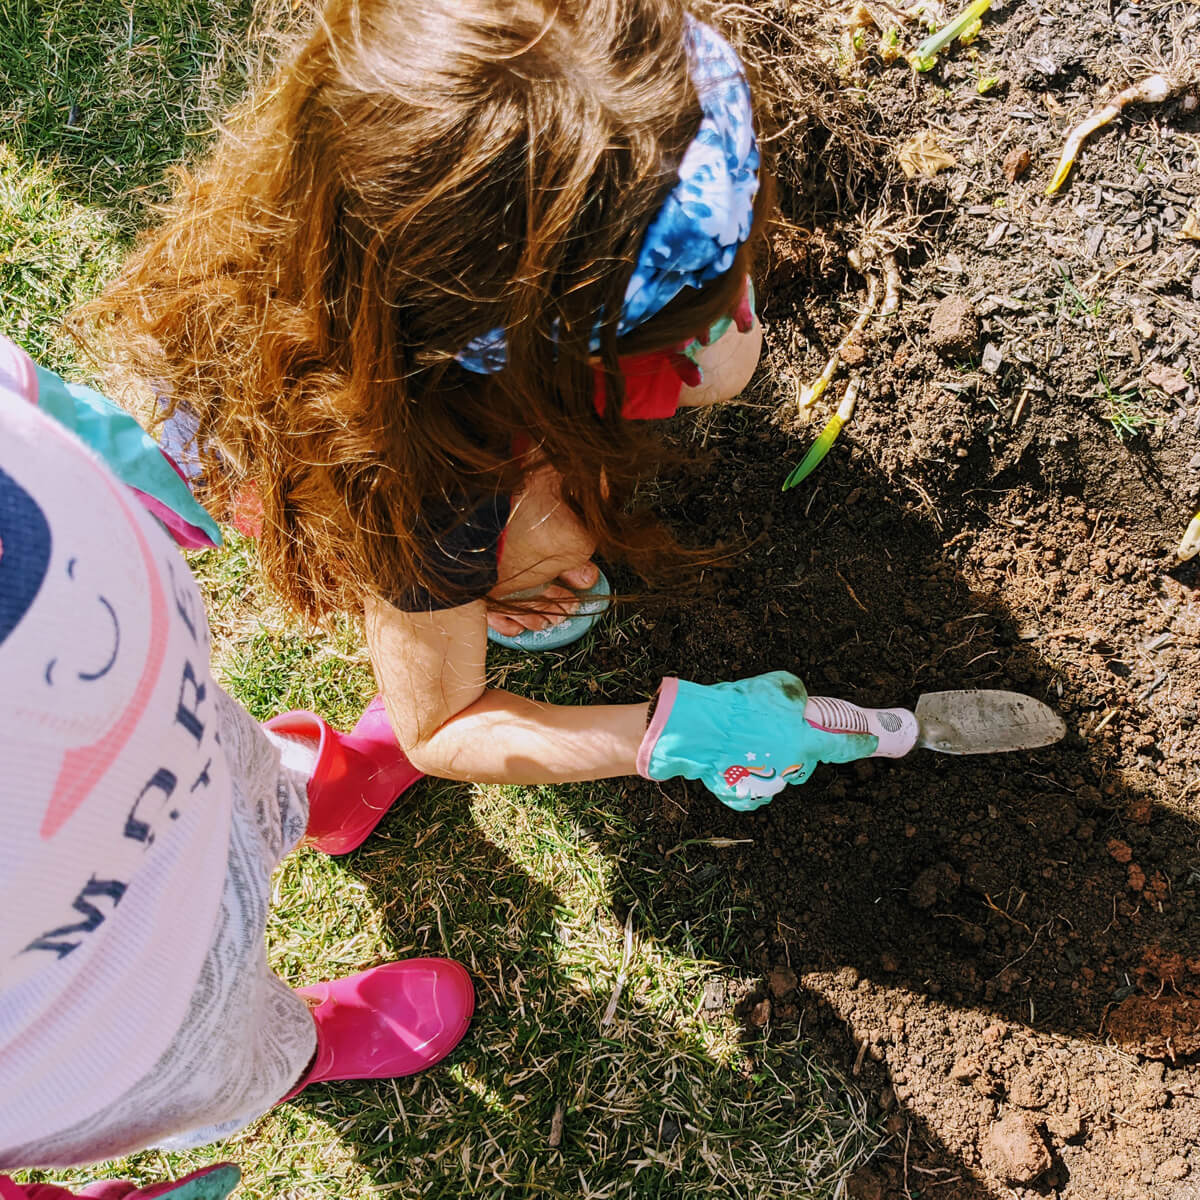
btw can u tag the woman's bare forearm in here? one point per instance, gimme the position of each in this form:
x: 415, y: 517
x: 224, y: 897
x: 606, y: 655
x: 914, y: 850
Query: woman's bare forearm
x: 504, y: 738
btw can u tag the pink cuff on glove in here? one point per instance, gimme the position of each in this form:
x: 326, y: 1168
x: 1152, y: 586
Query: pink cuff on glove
x: 667, y: 691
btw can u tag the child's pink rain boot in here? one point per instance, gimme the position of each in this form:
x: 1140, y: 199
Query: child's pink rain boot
x: 389, y: 1021
x: 208, y: 1183
x: 356, y: 778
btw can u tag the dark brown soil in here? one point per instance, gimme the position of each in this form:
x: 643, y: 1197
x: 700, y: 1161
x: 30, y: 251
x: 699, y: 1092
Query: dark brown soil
x: 1004, y: 951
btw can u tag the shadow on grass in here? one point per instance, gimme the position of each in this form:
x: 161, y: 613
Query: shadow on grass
x: 945, y: 934
x: 552, y: 1094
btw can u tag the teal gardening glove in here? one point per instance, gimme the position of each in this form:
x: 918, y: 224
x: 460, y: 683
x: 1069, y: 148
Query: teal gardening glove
x: 745, y: 741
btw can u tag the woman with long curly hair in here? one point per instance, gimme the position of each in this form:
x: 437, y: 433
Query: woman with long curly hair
x: 415, y: 311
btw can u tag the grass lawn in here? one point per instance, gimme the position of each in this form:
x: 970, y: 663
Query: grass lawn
x: 549, y: 1094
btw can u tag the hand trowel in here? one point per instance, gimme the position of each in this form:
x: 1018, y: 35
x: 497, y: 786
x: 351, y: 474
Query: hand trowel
x: 979, y: 721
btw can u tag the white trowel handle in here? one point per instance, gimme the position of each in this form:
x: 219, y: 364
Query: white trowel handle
x: 896, y: 728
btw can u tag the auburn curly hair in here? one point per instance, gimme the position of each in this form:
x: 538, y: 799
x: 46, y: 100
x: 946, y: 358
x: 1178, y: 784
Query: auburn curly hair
x: 416, y: 174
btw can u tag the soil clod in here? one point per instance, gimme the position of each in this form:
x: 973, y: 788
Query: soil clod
x: 954, y: 329
x: 1019, y: 1149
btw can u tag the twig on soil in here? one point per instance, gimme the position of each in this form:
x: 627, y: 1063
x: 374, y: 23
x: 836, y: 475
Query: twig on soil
x: 933, y: 512
x: 891, y: 286
x: 851, y: 591
x: 1007, y: 916
x: 717, y: 843
x: 856, y: 1070
x: 1153, y: 90
x: 1021, y: 402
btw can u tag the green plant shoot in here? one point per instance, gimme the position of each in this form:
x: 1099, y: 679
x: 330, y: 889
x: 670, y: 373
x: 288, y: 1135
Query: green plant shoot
x: 965, y: 27
x: 825, y: 439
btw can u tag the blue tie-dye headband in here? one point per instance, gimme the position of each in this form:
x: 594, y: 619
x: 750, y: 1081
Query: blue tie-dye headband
x: 707, y: 216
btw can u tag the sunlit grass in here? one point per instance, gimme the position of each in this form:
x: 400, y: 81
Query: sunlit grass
x: 533, y: 888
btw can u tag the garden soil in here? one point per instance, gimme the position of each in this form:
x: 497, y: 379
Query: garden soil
x: 1002, y: 951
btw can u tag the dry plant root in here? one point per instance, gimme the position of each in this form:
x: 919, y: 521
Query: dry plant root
x: 808, y: 396
x: 891, y: 286
x: 1154, y: 90
x: 1189, y: 544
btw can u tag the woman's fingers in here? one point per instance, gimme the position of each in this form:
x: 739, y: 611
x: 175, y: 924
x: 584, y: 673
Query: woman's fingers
x: 582, y: 577
x: 552, y: 606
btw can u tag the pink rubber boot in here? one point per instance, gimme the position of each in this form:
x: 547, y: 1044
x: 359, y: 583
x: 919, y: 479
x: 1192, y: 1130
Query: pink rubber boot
x: 389, y: 1021
x: 208, y: 1183
x: 357, y: 776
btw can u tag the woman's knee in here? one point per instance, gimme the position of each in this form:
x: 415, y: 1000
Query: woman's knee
x: 543, y: 538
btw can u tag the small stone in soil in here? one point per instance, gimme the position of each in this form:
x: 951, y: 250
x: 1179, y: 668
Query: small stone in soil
x: 1119, y: 850
x: 1025, y: 1093
x: 1020, y: 1151
x: 965, y: 1069
x: 1167, y: 378
x: 940, y: 880
x: 1173, y: 1168
x: 954, y: 328
x: 1065, y: 1126
x: 760, y: 1014
x: 781, y: 981
x: 853, y: 353
x: 1016, y: 163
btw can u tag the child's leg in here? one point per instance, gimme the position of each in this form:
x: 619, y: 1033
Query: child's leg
x: 247, y: 1038
x: 545, y: 548
x: 248, y: 1041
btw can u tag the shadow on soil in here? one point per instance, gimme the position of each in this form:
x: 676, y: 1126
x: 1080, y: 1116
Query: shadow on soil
x: 1040, y: 888
x: 944, y: 894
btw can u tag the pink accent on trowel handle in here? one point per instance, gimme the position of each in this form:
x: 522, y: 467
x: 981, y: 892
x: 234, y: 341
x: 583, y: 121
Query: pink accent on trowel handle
x: 896, y: 728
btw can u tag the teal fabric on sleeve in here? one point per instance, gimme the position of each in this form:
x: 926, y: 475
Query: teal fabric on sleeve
x: 130, y: 452
x: 719, y: 328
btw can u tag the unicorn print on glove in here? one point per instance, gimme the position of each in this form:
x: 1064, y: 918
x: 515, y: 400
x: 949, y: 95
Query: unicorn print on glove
x: 753, y: 783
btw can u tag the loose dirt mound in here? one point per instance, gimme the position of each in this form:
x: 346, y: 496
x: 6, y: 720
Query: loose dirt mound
x: 1005, y: 950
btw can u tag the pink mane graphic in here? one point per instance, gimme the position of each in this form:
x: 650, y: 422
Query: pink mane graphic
x: 750, y: 782
x: 83, y: 767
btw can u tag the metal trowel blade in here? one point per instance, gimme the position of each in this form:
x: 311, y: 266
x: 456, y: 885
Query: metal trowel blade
x: 983, y: 721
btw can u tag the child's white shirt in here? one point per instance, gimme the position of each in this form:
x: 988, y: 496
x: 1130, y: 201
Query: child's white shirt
x: 114, y: 793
